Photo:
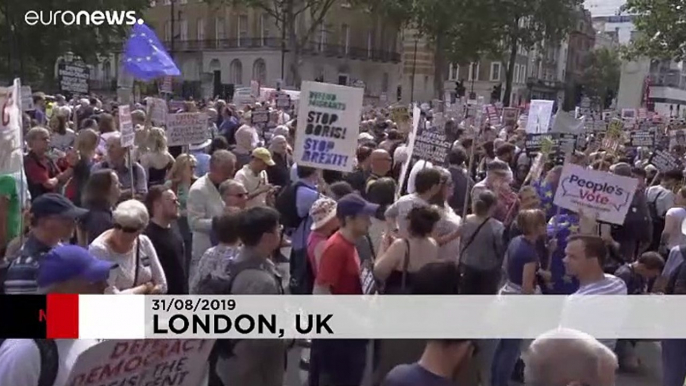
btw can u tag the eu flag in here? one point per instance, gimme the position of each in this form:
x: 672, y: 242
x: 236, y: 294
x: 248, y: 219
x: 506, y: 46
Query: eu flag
x: 145, y: 57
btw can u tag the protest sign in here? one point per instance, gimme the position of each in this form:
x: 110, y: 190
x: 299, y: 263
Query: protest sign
x: 404, y: 170
x: 175, y: 362
x: 158, y: 111
x: 628, y: 114
x: 643, y: 113
x: 26, y: 99
x: 540, y: 114
x: 562, y: 143
x: 677, y: 137
x: 613, y: 137
x: 431, y: 145
x: 175, y: 106
x: 328, y: 126
x: 643, y: 138
x: 282, y: 100
x: 510, y: 115
x: 260, y: 115
x: 598, y: 193
x: 187, y: 128
x: 493, y: 116
x: 73, y: 78
x: 166, y: 87
x: 125, y: 126
x: 664, y: 161
x: 255, y: 89
x: 565, y: 122
x: 11, y: 142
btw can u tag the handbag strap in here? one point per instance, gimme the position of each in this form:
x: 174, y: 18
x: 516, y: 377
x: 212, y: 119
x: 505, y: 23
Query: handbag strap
x: 138, y: 261
x: 371, y: 246
x: 471, y: 239
x: 406, y: 263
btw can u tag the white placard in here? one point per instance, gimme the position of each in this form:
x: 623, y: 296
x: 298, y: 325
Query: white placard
x: 158, y: 111
x: 11, y: 155
x: 166, y: 85
x: 254, y: 89
x: 126, y: 126
x: 187, y: 128
x: 26, y: 99
x: 540, y: 113
x: 328, y: 126
x: 142, y: 362
x: 594, y: 192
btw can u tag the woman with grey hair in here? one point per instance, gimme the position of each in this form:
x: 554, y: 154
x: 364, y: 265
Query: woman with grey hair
x: 279, y: 174
x: 138, y: 268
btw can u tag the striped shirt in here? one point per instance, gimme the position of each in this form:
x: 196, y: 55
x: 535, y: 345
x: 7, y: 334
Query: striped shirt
x: 609, y: 285
x: 23, y: 271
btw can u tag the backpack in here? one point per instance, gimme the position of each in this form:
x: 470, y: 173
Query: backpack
x: 671, y: 281
x: 49, y: 361
x: 285, y: 204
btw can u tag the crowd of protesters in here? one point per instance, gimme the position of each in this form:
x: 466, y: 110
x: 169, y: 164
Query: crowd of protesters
x: 213, y: 217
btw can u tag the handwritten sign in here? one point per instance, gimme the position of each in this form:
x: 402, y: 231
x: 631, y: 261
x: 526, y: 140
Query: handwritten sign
x: 187, y: 128
x: 126, y: 126
x: 664, y: 161
x: 174, y: 362
x: 598, y: 193
x: 540, y: 114
x: 73, y: 77
x: 328, y: 126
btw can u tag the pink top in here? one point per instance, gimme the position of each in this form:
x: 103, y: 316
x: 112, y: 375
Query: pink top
x: 312, y: 241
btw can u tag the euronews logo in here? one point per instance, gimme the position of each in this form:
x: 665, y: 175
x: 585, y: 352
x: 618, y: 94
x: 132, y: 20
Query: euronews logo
x: 69, y: 18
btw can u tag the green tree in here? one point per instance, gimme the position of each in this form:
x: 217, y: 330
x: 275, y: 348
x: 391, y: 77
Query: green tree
x: 31, y: 51
x: 289, y: 16
x: 601, y: 75
x: 661, y: 27
x: 527, y: 23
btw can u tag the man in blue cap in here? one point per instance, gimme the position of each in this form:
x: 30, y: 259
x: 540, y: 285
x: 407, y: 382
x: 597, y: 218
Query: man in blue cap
x: 66, y: 269
x: 53, y: 220
x: 71, y: 269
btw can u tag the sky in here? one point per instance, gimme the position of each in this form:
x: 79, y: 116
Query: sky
x: 603, y: 7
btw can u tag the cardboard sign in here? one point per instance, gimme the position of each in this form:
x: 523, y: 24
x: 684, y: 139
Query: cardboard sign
x: 328, y: 126
x: 664, y: 161
x: 26, y: 99
x: 11, y: 143
x: 510, y: 115
x: 260, y: 115
x: 598, y: 193
x: 158, y: 111
x: 187, y: 128
x: 540, y: 114
x: 73, y: 78
x: 175, y: 362
x: 126, y: 126
x: 642, y: 138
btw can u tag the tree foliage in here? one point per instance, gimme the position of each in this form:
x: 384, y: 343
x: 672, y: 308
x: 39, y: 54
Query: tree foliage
x: 600, y: 78
x: 661, y: 27
x: 33, y: 50
x: 527, y: 23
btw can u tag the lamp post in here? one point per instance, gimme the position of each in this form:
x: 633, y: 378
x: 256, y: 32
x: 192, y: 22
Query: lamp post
x: 414, y: 70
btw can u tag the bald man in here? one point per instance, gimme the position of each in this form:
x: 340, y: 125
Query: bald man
x: 380, y: 163
x: 566, y: 357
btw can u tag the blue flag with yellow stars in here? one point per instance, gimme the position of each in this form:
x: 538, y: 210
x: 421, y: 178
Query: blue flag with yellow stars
x: 560, y: 227
x: 145, y: 57
x: 547, y: 195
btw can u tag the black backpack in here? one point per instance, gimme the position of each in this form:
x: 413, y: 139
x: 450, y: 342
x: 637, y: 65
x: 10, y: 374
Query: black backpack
x: 286, y: 205
x: 49, y: 361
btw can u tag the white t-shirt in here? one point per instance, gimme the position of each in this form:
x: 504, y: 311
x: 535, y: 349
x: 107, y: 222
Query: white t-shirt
x: 252, y: 182
x: 20, y: 361
x: 676, y: 238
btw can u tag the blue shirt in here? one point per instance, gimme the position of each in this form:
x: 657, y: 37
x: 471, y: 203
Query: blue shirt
x: 414, y: 375
x: 304, y: 199
x: 520, y: 252
x: 203, y: 163
x: 560, y: 227
x: 23, y: 271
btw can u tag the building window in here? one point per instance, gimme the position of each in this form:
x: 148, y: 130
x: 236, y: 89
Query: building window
x: 473, y: 72
x: 343, y: 79
x: 453, y: 71
x: 426, y: 82
x: 522, y: 73
x: 259, y: 71
x: 236, y: 72
x: 200, y: 29
x: 264, y: 28
x: 183, y: 30
x: 242, y: 30
x: 219, y: 29
x: 168, y: 30
x: 515, y: 76
x: 345, y: 37
x: 370, y: 43
x: 384, y: 82
x: 495, y: 72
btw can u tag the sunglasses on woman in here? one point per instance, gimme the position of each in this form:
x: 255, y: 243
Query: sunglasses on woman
x: 126, y: 229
